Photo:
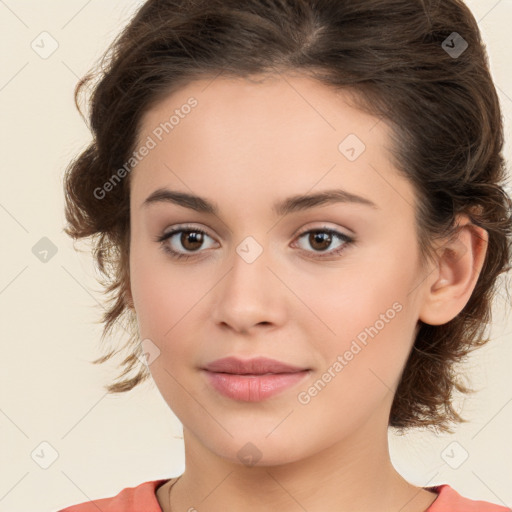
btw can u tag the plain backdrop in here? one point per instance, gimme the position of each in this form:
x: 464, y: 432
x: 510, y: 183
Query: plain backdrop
x: 63, y: 440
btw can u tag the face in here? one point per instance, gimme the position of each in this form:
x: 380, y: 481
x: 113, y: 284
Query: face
x: 332, y: 287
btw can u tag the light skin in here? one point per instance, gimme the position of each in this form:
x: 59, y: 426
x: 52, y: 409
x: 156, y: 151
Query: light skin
x: 244, y: 147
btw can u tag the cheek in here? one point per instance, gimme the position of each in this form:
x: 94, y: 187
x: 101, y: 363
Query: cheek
x: 367, y: 319
x: 169, y: 302
x: 163, y: 303
x: 362, y: 363
x: 161, y: 293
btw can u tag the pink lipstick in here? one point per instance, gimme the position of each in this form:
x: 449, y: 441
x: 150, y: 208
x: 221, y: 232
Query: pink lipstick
x: 252, y: 380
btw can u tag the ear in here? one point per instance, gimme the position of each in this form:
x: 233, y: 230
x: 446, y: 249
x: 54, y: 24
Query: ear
x: 449, y: 286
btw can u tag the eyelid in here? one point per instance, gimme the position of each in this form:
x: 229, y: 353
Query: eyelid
x: 186, y: 227
x: 323, y: 227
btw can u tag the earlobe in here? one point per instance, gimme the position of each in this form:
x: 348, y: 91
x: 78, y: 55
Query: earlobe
x: 451, y: 283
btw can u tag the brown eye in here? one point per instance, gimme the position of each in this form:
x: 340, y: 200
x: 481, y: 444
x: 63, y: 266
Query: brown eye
x: 319, y: 240
x: 191, y: 240
x: 183, y: 243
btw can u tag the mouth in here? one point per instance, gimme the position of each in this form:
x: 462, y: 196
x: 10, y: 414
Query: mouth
x: 252, y: 380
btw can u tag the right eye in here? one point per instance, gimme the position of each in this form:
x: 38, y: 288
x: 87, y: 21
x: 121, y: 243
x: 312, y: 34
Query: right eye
x: 190, y: 239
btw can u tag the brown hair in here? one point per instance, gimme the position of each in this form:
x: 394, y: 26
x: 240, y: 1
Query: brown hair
x: 443, y: 110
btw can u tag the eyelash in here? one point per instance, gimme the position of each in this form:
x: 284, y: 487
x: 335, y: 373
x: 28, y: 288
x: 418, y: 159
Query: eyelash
x: 162, y: 239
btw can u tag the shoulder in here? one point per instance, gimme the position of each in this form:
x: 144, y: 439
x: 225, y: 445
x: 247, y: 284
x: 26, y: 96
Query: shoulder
x: 449, y: 500
x: 130, y: 499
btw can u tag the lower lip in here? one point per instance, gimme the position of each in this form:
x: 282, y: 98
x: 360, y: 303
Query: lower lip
x: 253, y: 388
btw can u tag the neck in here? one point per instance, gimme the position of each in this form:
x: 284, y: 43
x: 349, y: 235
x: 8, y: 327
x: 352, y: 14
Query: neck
x: 356, y: 474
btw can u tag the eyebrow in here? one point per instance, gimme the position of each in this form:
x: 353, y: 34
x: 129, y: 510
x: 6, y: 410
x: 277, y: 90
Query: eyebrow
x: 281, y: 208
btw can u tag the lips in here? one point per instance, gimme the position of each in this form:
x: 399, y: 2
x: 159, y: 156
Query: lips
x: 252, y: 380
x: 255, y: 366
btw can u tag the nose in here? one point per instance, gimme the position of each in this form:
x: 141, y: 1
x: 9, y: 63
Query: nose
x: 250, y: 296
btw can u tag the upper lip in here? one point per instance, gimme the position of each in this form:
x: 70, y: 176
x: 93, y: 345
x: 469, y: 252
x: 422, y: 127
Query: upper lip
x: 255, y: 366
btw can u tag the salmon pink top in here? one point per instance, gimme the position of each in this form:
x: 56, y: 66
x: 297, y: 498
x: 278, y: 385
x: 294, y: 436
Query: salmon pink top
x: 142, y: 498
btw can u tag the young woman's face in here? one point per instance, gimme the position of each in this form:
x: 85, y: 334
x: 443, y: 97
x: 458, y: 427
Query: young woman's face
x: 278, y: 282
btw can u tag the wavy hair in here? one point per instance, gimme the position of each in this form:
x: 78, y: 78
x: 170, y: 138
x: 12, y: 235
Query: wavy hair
x: 398, y: 59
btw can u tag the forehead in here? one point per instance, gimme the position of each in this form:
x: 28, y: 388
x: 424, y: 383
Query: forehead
x: 270, y: 105
x: 250, y: 133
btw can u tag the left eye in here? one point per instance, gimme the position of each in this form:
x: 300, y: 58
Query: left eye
x: 321, y: 238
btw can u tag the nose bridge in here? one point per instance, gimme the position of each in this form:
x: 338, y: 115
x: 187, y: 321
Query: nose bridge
x: 249, y: 273
x: 248, y: 295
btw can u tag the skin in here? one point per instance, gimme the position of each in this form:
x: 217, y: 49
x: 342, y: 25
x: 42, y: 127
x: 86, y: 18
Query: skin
x: 243, y: 147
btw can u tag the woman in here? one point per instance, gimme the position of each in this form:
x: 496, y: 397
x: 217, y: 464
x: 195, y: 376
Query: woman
x: 299, y: 208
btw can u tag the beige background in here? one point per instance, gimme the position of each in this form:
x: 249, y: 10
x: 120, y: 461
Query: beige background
x: 48, y: 390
